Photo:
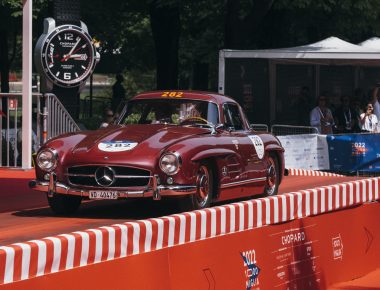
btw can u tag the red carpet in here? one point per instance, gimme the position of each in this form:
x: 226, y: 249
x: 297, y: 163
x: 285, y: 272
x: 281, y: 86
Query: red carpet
x: 14, y: 190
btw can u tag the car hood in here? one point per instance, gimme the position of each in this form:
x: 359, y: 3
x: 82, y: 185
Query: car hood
x: 145, y: 143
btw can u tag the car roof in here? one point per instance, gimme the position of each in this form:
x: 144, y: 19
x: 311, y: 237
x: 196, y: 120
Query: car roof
x: 184, y: 94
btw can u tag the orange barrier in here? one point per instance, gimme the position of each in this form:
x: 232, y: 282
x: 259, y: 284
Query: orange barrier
x: 280, y: 242
x: 306, y: 172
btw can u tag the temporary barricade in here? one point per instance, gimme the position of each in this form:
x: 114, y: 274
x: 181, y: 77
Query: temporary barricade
x: 354, y: 152
x: 49, y: 119
x: 303, y: 238
x: 282, y: 130
x: 304, y: 172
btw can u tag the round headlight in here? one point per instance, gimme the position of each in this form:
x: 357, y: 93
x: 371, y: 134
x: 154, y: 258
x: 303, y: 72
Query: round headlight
x: 47, y: 159
x: 169, y: 163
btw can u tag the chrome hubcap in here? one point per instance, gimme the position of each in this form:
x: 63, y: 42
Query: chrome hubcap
x: 202, y: 186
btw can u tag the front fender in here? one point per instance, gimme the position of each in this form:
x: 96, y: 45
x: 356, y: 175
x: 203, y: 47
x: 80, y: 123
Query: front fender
x: 212, y: 153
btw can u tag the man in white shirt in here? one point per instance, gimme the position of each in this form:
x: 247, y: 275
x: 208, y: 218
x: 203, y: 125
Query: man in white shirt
x: 321, y: 117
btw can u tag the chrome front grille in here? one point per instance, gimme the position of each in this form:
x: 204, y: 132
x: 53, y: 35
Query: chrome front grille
x: 122, y: 176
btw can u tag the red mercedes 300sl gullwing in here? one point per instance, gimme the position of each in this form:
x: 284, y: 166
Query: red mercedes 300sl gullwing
x: 195, y: 146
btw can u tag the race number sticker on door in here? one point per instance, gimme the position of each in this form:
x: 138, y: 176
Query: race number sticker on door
x: 259, y: 145
x: 116, y: 146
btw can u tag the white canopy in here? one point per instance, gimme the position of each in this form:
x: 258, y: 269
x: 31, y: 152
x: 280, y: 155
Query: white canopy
x: 372, y: 43
x: 330, y: 51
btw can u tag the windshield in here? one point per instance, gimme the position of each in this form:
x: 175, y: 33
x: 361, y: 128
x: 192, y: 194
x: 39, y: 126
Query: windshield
x: 169, y: 112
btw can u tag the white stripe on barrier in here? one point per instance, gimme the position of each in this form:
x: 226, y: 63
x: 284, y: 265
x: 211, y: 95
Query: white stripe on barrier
x: 241, y: 216
x: 351, y: 186
x: 308, y: 203
x: 267, y: 211
x: 364, y: 191
x: 111, y: 241
x: 222, y: 220
x: 259, y: 214
x: 232, y: 217
x: 25, y: 262
x: 9, y: 264
x: 344, y: 195
x: 98, y: 244
x: 148, y: 235
x: 284, y: 208
x: 124, y: 239
x: 213, y: 221
x: 203, y: 224
x: 182, y: 228
x: 323, y: 198
x: 329, y: 198
x: 85, y: 248
x: 357, y: 189
x: 193, y: 225
x: 275, y: 212
x: 136, y: 238
x: 299, y: 204
x: 70, y: 250
x: 291, y: 206
x: 41, y: 260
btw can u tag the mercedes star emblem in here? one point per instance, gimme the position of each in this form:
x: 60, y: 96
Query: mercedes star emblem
x: 105, y: 176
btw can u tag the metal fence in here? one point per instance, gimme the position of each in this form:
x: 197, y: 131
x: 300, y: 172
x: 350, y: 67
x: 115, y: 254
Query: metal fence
x: 280, y: 130
x: 55, y: 118
x: 260, y: 127
x: 49, y: 119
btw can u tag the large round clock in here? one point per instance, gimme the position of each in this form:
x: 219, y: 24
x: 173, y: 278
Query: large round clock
x: 68, y: 55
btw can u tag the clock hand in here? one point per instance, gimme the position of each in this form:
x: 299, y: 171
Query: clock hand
x: 70, y: 55
x: 67, y: 56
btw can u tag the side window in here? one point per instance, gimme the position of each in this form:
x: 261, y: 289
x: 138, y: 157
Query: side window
x: 227, y: 117
x: 232, y: 116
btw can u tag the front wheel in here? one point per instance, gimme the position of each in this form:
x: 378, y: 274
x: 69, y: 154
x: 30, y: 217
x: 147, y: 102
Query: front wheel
x: 273, y: 177
x: 204, y: 192
x: 64, y: 204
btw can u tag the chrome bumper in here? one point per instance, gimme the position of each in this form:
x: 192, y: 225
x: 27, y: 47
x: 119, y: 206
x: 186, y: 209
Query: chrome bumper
x: 156, y: 191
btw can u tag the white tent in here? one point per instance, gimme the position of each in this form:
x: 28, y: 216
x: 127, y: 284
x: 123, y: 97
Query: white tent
x: 331, y: 51
x: 372, y: 43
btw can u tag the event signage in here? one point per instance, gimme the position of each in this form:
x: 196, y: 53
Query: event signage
x: 354, y: 152
x: 306, y: 151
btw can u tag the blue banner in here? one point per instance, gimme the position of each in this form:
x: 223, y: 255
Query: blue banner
x: 354, y: 152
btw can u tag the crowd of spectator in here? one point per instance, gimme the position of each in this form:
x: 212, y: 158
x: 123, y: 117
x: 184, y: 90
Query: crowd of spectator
x: 357, y: 114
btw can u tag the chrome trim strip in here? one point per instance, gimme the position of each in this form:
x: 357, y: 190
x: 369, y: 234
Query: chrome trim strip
x: 236, y: 183
x: 163, y: 190
x: 116, y: 176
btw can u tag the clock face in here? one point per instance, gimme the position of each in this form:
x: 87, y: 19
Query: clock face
x: 68, y: 56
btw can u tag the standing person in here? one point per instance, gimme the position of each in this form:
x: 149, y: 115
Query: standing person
x: 118, y: 93
x: 368, y: 120
x: 321, y: 117
x: 375, y: 101
x: 345, y: 116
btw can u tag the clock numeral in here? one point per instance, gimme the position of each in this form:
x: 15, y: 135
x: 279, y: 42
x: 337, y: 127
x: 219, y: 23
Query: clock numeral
x: 69, y: 36
x: 67, y: 76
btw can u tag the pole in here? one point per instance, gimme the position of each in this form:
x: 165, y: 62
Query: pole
x: 27, y: 16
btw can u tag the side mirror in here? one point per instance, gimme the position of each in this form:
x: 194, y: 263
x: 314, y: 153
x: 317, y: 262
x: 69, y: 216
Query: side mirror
x: 219, y: 126
x: 214, y: 129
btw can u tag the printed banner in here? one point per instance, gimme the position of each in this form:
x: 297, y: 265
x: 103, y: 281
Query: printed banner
x: 354, y: 152
x: 306, y: 151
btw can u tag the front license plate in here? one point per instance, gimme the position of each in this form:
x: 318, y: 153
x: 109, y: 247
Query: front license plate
x: 101, y: 194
